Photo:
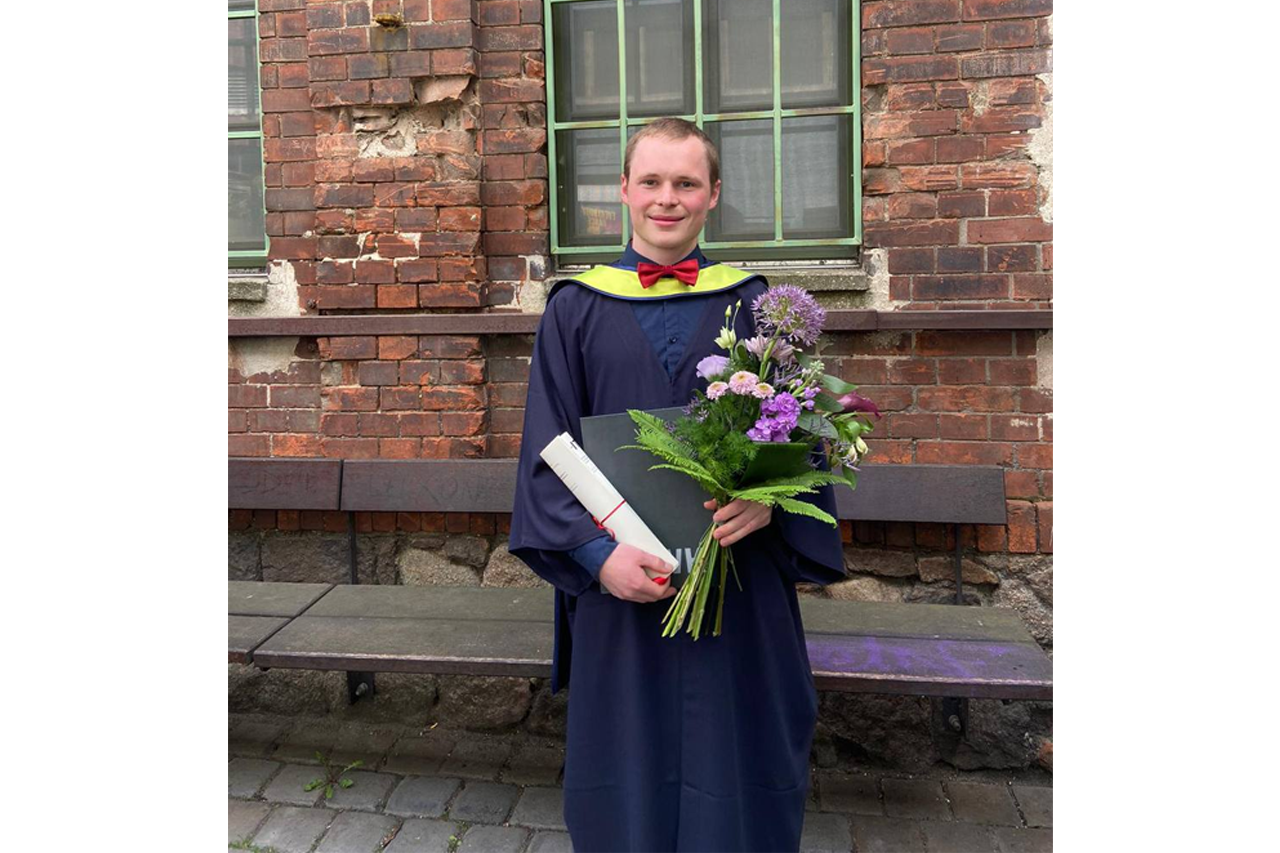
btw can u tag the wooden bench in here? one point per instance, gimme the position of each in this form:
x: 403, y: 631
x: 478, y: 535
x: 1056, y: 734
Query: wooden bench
x: 870, y: 647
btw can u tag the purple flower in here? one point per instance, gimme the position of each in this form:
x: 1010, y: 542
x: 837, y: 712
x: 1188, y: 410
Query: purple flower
x: 713, y: 366
x: 791, y: 311
x: 855, y: 402
x: 782, y: 351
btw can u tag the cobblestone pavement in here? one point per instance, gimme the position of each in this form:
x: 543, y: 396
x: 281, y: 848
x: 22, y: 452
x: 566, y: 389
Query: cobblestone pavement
x: 463, y: 792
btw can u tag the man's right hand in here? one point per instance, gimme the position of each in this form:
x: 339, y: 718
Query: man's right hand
x: 623, y: 575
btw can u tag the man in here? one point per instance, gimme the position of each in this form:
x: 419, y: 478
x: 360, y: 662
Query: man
x: 672, y: 744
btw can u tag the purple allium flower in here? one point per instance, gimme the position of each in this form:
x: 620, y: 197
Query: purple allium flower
x: 855, y: 402
x: 713, y: 366
x: 716, y: 390
x: 791, y: 311
x: 743, y: 382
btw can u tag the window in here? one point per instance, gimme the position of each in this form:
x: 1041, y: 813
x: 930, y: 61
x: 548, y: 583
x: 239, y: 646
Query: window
x: 778, y: 94
x: 246, y: 214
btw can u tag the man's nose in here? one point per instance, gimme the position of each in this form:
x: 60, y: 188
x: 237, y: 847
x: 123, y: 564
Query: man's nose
x: 667, y: 195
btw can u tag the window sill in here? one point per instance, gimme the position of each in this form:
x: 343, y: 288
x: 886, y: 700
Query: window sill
x: 246, y: 288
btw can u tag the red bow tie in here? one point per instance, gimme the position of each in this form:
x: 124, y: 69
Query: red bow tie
x: 686, y: 271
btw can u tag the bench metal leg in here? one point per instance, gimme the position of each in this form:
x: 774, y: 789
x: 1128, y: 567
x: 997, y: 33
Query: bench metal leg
x: 358, y: 683
x: 955, y: 711
x: 959, y: 569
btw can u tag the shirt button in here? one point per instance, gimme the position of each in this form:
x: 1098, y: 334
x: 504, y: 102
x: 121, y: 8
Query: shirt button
x: 671, y: 340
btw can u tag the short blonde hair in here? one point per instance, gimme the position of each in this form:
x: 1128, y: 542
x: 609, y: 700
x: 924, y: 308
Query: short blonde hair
x: 674, y: 129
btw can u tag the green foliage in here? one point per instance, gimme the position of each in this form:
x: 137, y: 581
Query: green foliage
x: 333, y: 775
x: 803, y: 508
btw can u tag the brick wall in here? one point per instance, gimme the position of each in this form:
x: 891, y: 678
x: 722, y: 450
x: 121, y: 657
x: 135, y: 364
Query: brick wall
x: 406, y: 172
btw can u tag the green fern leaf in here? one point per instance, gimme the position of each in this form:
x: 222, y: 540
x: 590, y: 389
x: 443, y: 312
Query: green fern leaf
x: 802, y: 508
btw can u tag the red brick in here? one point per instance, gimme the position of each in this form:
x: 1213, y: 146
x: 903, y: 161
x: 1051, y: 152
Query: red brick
x: 450, y: 346
x: 416, y: 219
x: 1046, y: 256
x: 463, y: 423
x: 366, y: 66
x: 398, y: 296
x: 962, y: 398
x: 350, y: 399
x: 516, y: 243
x: 1020, y: 484
x: 1020, y: 258
x: 958, y: 37
x: 951, y: 425
x: 961, y: 287
x: 954, y: 94
x: 1018, y: 230
x: 510, y: 38
x: 350, y: 448
x: 1006, y: 63
x: 296, y: 445
x: 340, y: 94
x: 961, y: 149
x: 1015, y: 428
x: 881, y: 181
x: 954, y: 259
x: 462, y: 269
x: 343, y: 195
x: 899, y: 14
x: 453, y: 399
x: 294, y: 75
x: 461, y: 372
x: 1002, y: 120
x: 909, y: 40
x: 1044, y: 521
x: 998, y: 175
x: 459, y: 219
x: 396, y: 347
x: 911, y: 152
x: 399, y: 398
x: 339, y: 423
x: 419, y: 423
x: 393, y: 91
x: 1013, y: 202
x: 335, y: 272
x: 411, y: 63
x: 1011, y: 34
x: 992, y: 538
x: 902, y: 425
x: 399, y: 448
x: 336, y: 145
x: 910, y: 260
x: 512, y: 91
x: 433, y: 193
x: 1036, y: 400
x: 962, y: 371
x: 349, y: 347
x: 1003, y: 92
x: 961, y: 205
x: 1036, y: 456
x: 913, y: 206
x: 527, y: 140
x: 873, y: 209
x: 981, y: 10
x: 926, y: 233
x: 500, y: 193
x: 440, y: 35
x: 483, y: 524
x: 963, y: 453
x: 504, y: 218
x: 450, y: 295
x: 416, y: 270
x: 1022, y: 527
x: 905, y: 69
x: 909, y: 96
x: 375, y: 272
x: 929, y: 178
x: 456, y: 61
x: 1033, y: 286
x: 294, y: 396
x: 451, y: 243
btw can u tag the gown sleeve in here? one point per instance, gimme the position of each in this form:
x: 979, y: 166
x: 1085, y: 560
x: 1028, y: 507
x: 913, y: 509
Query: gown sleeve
x: 814, y: 548
x: 547, y: 522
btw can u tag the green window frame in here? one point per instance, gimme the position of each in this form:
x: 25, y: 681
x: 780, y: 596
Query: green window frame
x: 772, y: 119
x: 237, y: 131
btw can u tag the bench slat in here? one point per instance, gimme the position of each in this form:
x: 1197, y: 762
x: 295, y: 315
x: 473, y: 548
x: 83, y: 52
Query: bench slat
x: 379, y: 644
x: 266, y: 598
x: 245, y: 633
x: 963, y: 494
x: 936, y: 621
x: 438, y: 602
x: 867, y: 647
x: 971, y: 668
x: 283, y: 483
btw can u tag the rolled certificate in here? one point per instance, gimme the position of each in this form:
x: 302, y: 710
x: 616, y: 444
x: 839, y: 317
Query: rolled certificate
x: 594, y: 491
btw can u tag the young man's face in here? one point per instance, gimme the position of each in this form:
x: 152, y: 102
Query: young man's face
x: 669, y: 193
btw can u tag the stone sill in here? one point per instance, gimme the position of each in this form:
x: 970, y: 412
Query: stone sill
x: 246, y: 288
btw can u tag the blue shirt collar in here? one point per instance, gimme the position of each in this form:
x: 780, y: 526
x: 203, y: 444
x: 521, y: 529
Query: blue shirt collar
x: 630, y: 257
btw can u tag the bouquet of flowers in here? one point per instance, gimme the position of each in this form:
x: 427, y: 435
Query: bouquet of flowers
x: 755, y: 433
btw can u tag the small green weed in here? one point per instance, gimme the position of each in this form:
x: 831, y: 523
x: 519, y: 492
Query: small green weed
x: 332, y: 776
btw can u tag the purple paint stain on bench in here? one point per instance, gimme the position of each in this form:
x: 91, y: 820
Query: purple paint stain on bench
x: 935, y: 666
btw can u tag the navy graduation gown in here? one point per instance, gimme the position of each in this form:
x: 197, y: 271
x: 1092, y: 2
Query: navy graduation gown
x: 673, y: 744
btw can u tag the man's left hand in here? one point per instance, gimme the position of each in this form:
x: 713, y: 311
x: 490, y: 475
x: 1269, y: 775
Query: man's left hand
x: 737, y: 519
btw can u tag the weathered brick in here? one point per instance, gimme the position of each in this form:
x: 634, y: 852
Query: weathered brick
x: 1002, y: 120
x: 416, y: 270
x: 454, y: 243
x: 1021, y: 517
x: 908, y: 68
x: 958, y: 205
x: 961, y: 149
x: 454, y: 61
x: 1005, y: 34
x: 898, y: 14
x: 960, y: 259
x: 961, y: 287
x: 349, y: 346
x: 909, y: 96
x: 411, y: 63
x: 929, y: 178
x: 959, y: 37
x: 910, y: 152
x: 1006, y: 63
x: 966, y: 398
x: 997, y: 175
x: 1012, y: 203
x: 905, y: 40
x: 393, y: 91
x: 459, y: 219
x: 900, y: 125
x: 442, y: 34
x: 1016, y: 258
x: 451, y: 295
x: 1016, y: 230
x: 982, y: 10
x: 510, y: 38
x: 913, y: 206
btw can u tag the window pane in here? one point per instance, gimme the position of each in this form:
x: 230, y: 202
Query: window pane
x: 246, y: 226
x: 586, y: 56
x: 738, y: 55
x: 239, y: 5
x: 659, y: 57
x: 816, y: 71
x: 815, y: 177
x: 745, y: 210
x: 589, y: 165
x: 242, y: 75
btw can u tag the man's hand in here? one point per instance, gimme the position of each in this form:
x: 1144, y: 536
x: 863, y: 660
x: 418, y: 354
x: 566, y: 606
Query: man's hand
x: 623, y: 575
x: 738, y: 518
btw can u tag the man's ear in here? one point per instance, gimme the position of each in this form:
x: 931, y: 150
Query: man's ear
x: 623, y: 189
x: 715, y: 195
